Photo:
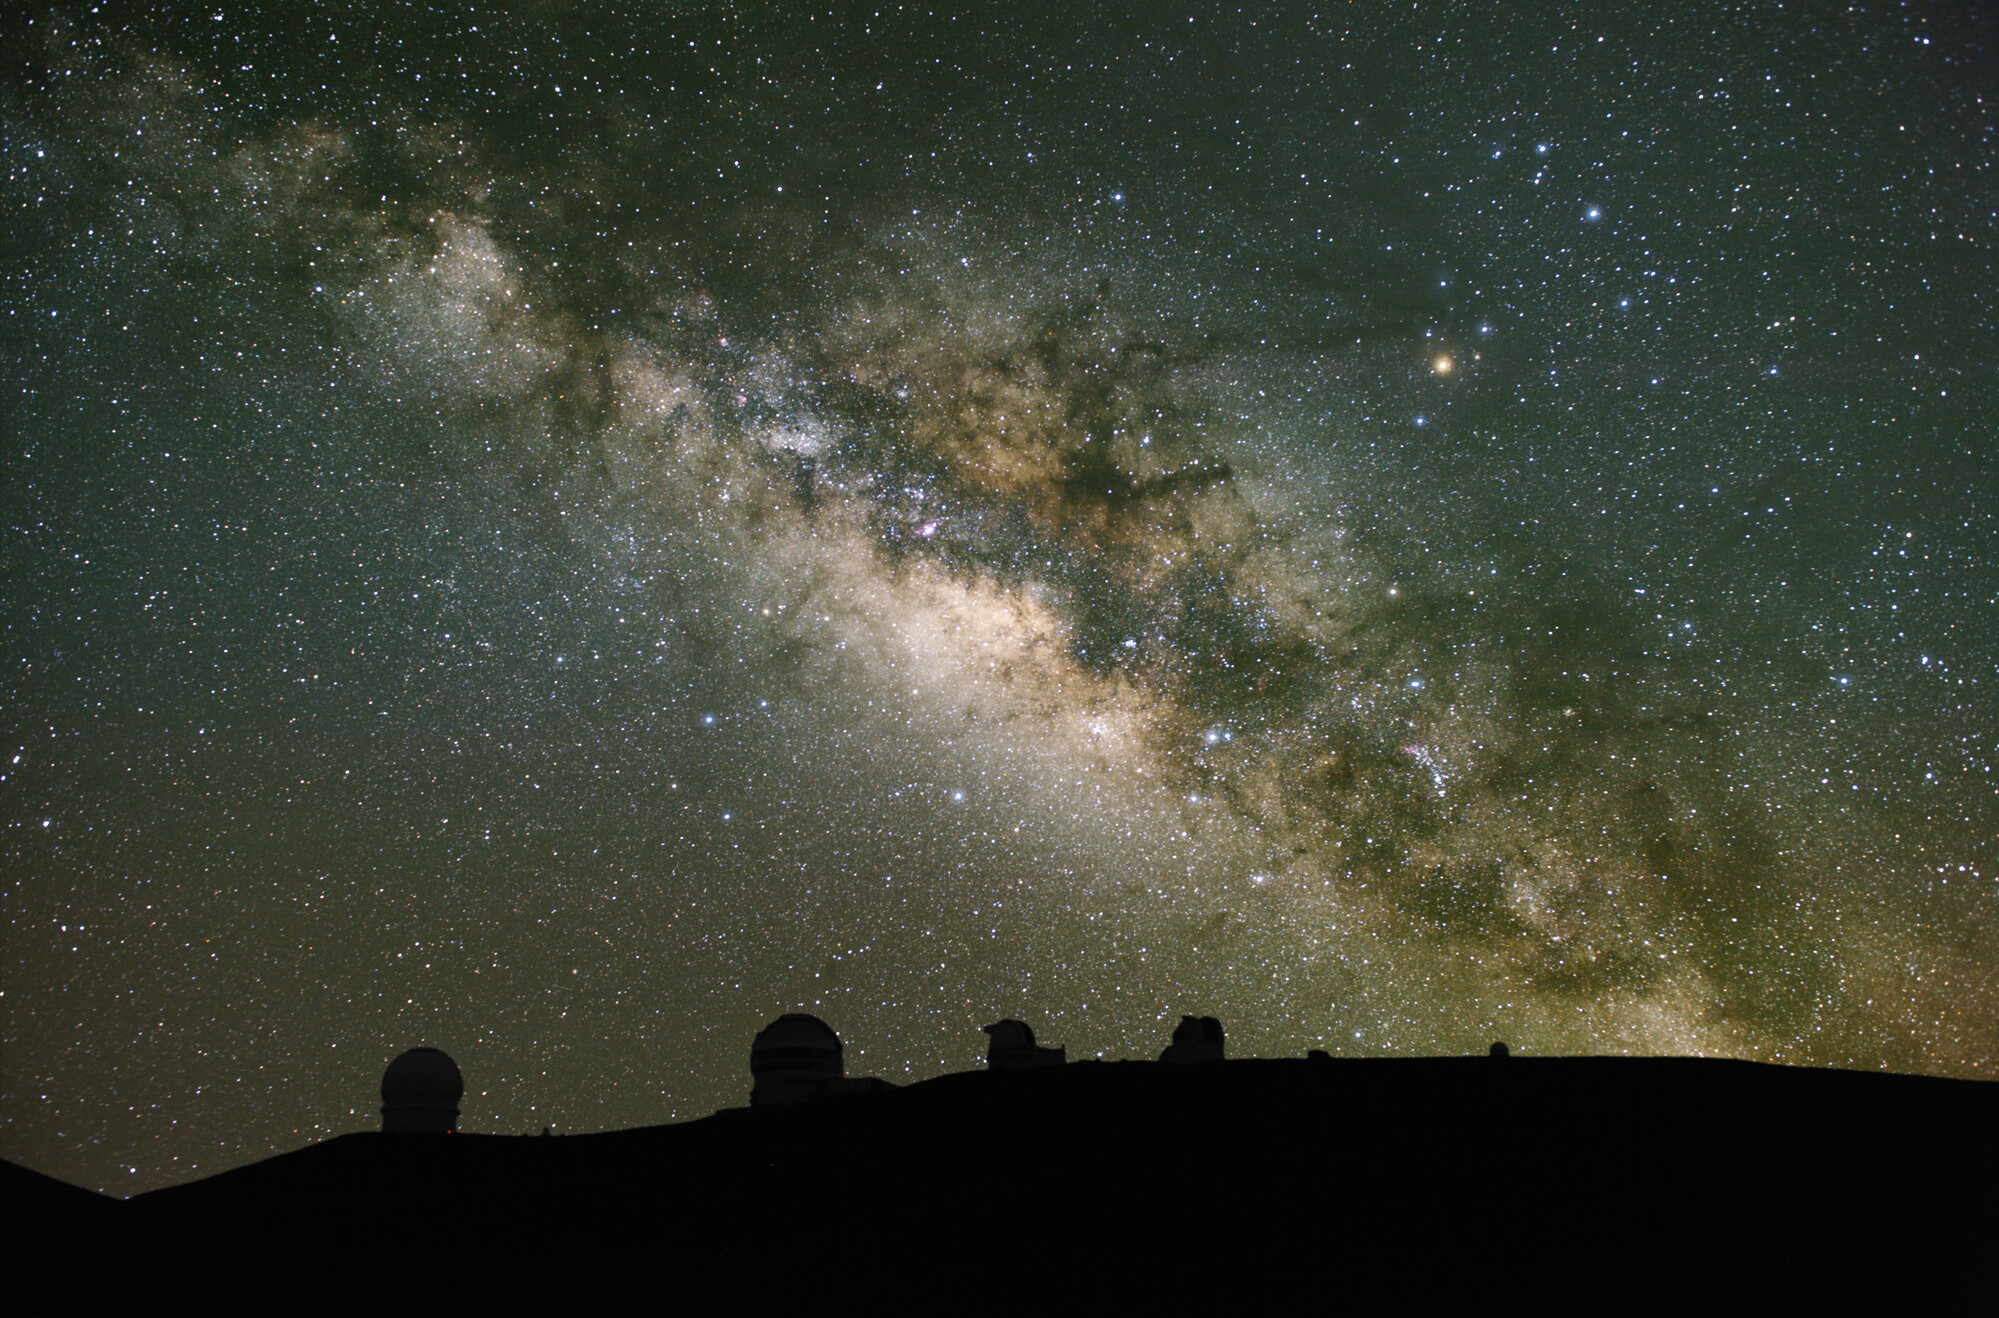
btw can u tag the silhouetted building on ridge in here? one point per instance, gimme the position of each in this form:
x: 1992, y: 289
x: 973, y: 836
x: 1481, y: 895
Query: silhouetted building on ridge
x: 798, y: 1059
x: 795, y: 1059
x: 1195, y: 1039
x: 1013, y: 1047
x: 420, y: 1093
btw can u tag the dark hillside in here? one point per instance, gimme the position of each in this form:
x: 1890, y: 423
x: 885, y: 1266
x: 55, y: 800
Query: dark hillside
x: 1433, y: 1173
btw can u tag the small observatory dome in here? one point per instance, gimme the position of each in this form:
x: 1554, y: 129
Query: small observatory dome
x: 1013, y: 1047
x: 420, y: 1093
x: 1196, y: 1039
x: 796, y: 1058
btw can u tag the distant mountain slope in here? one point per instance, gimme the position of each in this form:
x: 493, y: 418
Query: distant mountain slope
x: 1372, y: 1173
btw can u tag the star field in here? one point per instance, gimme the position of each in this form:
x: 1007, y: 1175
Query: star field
x: 561, y: 535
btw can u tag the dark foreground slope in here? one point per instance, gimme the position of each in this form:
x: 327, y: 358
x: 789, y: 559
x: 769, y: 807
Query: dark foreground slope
x: 1412, y: 1176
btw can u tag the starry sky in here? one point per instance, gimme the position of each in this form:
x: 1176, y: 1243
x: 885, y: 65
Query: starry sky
x: 561, y: 532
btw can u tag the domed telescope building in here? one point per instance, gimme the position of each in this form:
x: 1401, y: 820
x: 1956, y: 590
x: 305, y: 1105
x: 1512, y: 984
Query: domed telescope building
x: 798, y: 1059
x: 420, y: 1093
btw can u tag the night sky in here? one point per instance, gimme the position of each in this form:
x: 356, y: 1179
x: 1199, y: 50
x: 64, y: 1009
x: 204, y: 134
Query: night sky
x: 561, y: 532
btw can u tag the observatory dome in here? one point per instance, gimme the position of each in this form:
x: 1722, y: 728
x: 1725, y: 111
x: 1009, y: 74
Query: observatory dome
x: 420, y: 1092
x: 795, y: 1058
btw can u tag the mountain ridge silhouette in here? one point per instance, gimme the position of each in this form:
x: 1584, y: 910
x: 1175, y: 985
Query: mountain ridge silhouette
x: 1444, y: 1166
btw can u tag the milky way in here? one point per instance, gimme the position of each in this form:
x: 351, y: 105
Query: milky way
x: 561, y: 536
